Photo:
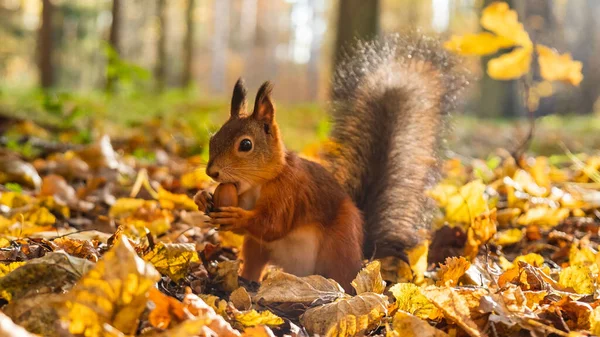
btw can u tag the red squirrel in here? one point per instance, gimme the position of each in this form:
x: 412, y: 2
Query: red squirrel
x: 368, y: 199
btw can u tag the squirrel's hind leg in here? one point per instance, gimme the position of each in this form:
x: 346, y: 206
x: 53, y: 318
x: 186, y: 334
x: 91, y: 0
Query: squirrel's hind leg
x: 255, y: 257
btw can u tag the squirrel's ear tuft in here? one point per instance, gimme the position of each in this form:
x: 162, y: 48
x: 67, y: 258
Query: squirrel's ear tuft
x: 264, y: 109
x: 238, y: 100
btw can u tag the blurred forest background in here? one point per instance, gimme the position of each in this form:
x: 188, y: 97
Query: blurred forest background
x: 129, y: 58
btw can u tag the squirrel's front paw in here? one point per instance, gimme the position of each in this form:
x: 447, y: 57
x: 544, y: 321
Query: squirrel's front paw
x: 231, y: 218
x: 204, y: 200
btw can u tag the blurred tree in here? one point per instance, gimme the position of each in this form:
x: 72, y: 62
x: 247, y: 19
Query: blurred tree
x: 356, y: 19
x: 188, y: 45
x: 583, y: 26
x: 499, y: 98
x: 220, y: 44
x: 114, y: 39
x: 45, y: 46
x: 161, y: 53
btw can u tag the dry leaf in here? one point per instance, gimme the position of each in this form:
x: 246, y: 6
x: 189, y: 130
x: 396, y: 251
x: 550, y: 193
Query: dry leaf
x: 241, y: 299
x: 283, y: 287
x: 172, y: 259
x: 579, y: 278
x: 410, y: 299
x: 454, y: 307
x: 369, y: 279
x: 114, y: 292
x: 254, y: 318
x: 346, y: 317
x: 407, y: 325
x: 452, y: 271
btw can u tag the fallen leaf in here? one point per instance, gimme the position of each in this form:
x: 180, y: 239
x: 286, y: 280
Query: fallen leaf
x: 579, y: 278
x: 54, y: 272
x: 166, y: 310
x: 410, y: 299
x: 113, y: 293
x: 172, y: 259
x: 451, y: 271
x: 241, y: 299
x: 407, y: 325
x: 254, y: 318
x: 283, y: 287
x: 369, y: 279
x: 454, y: 307
x: 346, y: 317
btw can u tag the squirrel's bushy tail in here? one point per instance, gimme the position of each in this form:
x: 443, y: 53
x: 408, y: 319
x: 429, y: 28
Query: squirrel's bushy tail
x: 389, y: 103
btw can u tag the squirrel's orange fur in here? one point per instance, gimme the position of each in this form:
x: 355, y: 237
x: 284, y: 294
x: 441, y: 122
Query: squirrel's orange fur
x: 293, y: 211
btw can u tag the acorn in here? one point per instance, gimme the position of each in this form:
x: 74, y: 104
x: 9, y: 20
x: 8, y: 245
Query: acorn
x: 225, y: 195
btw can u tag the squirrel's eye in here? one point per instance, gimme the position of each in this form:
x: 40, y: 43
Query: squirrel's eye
x: 245, y: 145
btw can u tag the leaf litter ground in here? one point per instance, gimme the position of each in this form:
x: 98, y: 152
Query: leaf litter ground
x: 103, y: 239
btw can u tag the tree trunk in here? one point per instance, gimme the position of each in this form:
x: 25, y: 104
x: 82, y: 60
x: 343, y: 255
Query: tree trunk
x: 161, y: 55
x: 220, y: 45
x: 45, y: 46
x: 188, y: 52
x: 356, y: 19
x: 114, y: 40
x: 499, y: 98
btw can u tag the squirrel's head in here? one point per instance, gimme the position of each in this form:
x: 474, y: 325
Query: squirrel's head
x: 247, y: 150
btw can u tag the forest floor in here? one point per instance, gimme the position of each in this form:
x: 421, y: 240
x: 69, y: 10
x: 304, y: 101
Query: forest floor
x: 99, y: 235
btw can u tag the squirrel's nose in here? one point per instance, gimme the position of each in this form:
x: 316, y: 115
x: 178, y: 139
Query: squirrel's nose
x: 212, y: 172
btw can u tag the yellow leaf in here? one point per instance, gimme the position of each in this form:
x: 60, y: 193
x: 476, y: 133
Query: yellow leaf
x: 533, y: 259
x: 172, y: 259
x: 511, y: 65
x: 14, y: 199
x: 125, y: 206
x: 467, y: 203
x: 254, y: 318
x: 230, y: 239
x: 218, y: 305
x: 483, y: 43
x: 509, y: 237
x: 409, y: 298
x: 113, y: 293
x: 195, y: 179
x: 170, y: 200
x: 452, y: 271
x: 442, y: 192
x: 583, y: 257
x: 556, y: 67
x: 369, y: 279
x: 417, y: 258
x: 480, y: 232
x: 346, y: 317
x: 543, y: 215
x: 454, y: 306
x: 7, y: 268
x: 407, y: 325
x: 500, y: 19
x: 40, y: 216
x: 4, y: 242
x: 577, y: 277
